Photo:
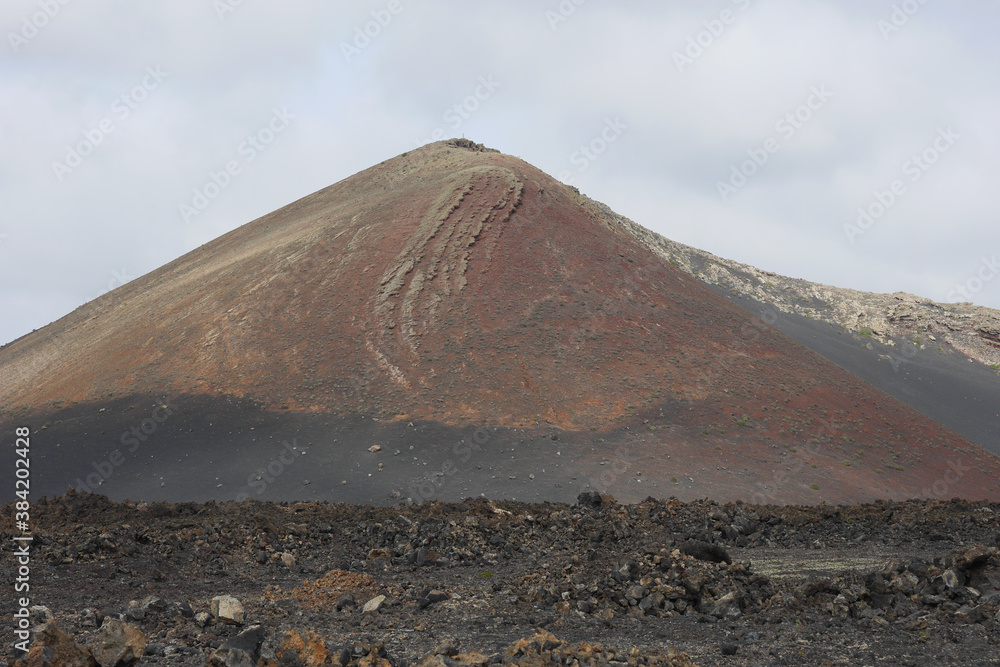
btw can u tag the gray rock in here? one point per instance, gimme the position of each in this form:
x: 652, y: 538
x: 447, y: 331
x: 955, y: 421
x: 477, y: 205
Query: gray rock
x: 249, y: 642
x: 712, y: 553
x: 118, y: 644
x: 437, y: 595
x: 446, y: 647
x: 420, y: 556
x: 430, y: 597
x: 967, y: 613
x: 53, y: 647
x: 180, y: 609
x: 156, y: 650
x: 230, y: 657
x: 992, y: 597
x: 135, y: 611
x: 41, y: 614
x: 91, y: 618
x: 728, y: 607
x: 153, y: 605
x: 227, y: 609
x: 906, y: 583
x: 951, y: 579
x: 374, y: 604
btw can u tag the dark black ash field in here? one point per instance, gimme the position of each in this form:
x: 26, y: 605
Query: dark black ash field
x: 914, y: 583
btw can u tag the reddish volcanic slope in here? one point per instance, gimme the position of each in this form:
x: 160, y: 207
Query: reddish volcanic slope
x: 466, y: 287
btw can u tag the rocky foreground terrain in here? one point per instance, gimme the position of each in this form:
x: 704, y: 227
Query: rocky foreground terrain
x: 481, y: 582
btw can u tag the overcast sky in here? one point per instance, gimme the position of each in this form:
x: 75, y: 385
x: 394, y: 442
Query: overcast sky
x: 754, y: 129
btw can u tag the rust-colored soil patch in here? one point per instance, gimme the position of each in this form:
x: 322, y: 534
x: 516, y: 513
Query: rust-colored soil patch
x: 324, y: 592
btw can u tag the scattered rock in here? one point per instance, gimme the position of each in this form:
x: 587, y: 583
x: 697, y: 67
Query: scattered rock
x: 471, y: 659
x: 223, y: 657
x: 242, y: 650
x: 306, y: 647
x: 135, y: 612
x: 91, y: 618
x: 471, y: 145
x: 604, y: 570
x: 712, y: 553
x: 374, y: 604
x: 447, y: 647
x: 40, y: 614
x: 726, y: 607
x: 227, y: 609
x: 54, y: 648
x: 288, y: 560
x: 430, y: 597
x: 951, y: 579
x: 974, y: 556
x: 118, y: 644
x: 153, y: 605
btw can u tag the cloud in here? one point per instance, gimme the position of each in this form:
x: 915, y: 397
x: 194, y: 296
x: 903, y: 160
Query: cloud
x: 560, y: 82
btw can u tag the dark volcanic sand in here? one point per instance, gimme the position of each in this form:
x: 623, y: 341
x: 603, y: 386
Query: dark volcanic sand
x: 831, y: 585
x: 941, y: 384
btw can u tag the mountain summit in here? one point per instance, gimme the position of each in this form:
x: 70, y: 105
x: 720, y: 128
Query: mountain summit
x: 456, y: 306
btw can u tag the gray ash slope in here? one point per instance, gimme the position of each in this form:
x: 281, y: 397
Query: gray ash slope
x: 913, y: 349
x: 939, y: 383
x: 165, y: 448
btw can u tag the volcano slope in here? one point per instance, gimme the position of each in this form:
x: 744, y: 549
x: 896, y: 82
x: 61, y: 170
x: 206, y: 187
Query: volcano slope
x: 450, y: 323
x: 917, y: 351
